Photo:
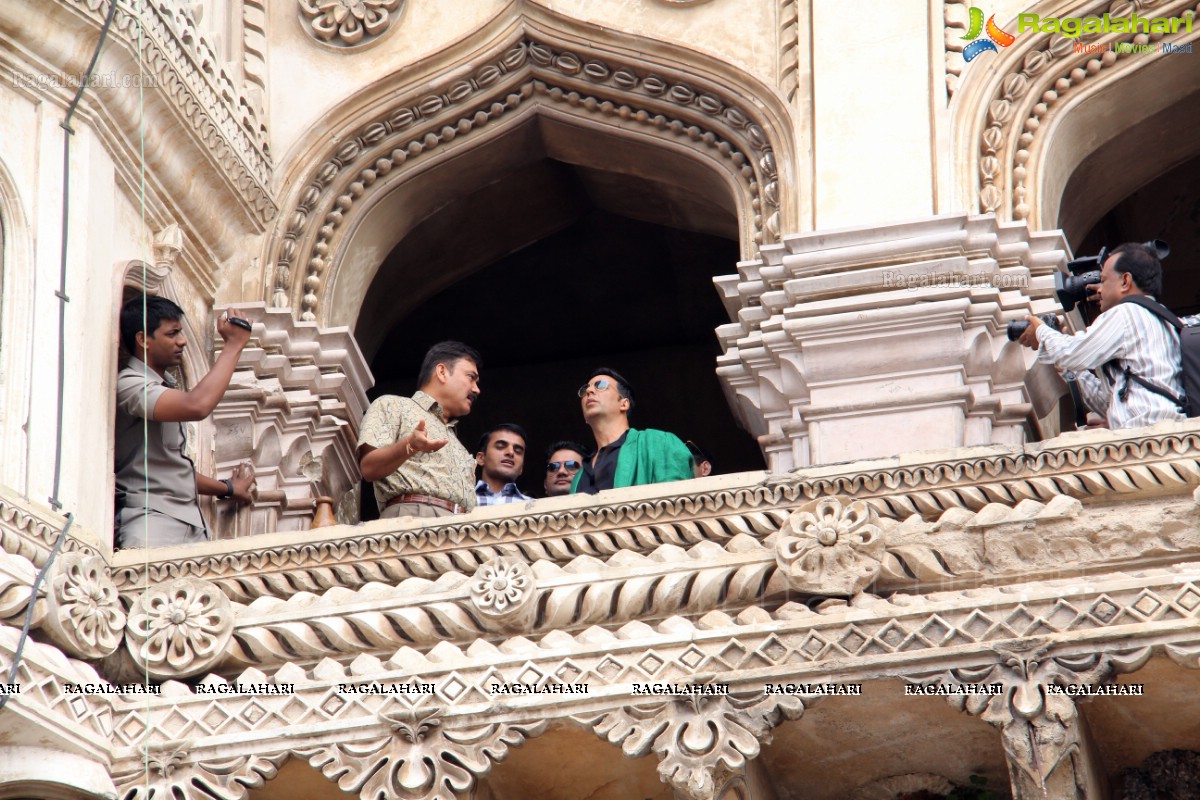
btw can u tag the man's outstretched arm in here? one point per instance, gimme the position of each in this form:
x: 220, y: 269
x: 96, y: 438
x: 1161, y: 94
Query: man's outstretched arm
x: 176, y: 405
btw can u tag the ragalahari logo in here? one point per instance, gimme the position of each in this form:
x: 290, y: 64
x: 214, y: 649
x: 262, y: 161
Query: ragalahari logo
x: 995, y: 36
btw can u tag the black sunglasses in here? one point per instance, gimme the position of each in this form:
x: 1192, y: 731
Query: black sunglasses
x: 571, y: 466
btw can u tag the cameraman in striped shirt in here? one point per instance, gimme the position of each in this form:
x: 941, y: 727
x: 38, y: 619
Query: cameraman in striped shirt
x: 1124, y: 336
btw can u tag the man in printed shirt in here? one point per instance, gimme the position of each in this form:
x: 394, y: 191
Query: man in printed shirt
x: 1124, y: 333
x: 501, y: 459
x: 408, y: 446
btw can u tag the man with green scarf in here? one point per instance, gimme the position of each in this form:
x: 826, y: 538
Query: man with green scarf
x: 624, y: 456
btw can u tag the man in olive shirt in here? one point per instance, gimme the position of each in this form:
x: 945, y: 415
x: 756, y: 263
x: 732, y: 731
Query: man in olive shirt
x: 157, y: 484
x: 408, y: 446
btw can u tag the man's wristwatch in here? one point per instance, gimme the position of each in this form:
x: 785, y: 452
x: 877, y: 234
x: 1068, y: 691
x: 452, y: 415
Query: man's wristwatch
x: 228, y: 489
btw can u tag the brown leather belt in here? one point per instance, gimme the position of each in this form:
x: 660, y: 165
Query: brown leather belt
x: 426, y: 500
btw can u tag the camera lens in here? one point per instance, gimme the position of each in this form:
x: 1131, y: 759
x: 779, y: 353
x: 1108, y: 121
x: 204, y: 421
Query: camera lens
x: 1015, y: 329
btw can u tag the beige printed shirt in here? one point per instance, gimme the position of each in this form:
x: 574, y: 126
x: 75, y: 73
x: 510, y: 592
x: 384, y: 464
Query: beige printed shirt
x: 448, y: 474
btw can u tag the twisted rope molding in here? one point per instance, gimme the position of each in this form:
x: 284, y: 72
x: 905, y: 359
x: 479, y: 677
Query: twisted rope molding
x: 1157, y: 610
x: 1152, y: 465
x: 632, y: 587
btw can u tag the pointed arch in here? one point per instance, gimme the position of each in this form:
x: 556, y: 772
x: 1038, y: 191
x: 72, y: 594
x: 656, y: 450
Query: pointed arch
x: 699, y: 115
x: 1027, y: 121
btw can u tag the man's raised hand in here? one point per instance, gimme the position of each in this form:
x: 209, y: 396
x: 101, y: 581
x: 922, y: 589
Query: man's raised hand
x: 419, y: 441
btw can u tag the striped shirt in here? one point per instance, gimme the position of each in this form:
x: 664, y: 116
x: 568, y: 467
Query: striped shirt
x: 1135, y: 338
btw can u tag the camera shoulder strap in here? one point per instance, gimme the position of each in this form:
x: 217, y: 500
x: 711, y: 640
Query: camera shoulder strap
x: 1168, y: 318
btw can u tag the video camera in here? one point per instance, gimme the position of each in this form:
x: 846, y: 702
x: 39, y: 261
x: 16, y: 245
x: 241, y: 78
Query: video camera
x: 1072, y: 289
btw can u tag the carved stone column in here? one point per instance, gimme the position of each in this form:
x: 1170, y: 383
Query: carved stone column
x: 872, y: 341
x: 1046, y: 742
x: 292, y: 410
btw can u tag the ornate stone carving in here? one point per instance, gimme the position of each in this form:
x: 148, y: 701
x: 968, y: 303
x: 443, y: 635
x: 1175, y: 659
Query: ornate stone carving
x: 1025, y: 99
x: 1094, y: 464
x: 421, y: 760
x: 168, y: 244
x: 17, y: 575
x: 805, y: 378
x: 370, y: 158
x: 292, y: 410
x: 831, y: 546
x: 173, y: 775
x: 503, y: 591
x: 179, y: 629
x: 694, y: 735
x: 1040, y: 728
x: 187, y: 71
x: 348, y: 23
x: 84, y: 615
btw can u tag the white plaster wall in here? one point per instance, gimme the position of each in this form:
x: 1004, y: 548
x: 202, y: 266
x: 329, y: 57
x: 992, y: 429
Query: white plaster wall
x: 305, y: 79
x: 743, y: 33
x: 103, y: 231
x: 872, y: 112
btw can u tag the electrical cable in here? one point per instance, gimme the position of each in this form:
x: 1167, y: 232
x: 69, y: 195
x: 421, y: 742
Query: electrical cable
x: 61, y: 294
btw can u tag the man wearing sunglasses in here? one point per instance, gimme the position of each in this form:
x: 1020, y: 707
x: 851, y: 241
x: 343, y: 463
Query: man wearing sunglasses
x: 563, y: 460
x: 624, y: 456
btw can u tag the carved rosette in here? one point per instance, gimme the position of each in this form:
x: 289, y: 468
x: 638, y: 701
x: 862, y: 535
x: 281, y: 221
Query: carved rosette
x: 504, y: 591
x: 84, y: 615
x: 348, y: 23
x: 170, y: 775
x: 698, y: 734
x: 831, y: 546
x: 421, y: 760
x: 179, y: 629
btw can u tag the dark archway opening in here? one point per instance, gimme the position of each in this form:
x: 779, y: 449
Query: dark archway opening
x: 1167, y: 208
x: 1143, y: 181
x: 586, y: 285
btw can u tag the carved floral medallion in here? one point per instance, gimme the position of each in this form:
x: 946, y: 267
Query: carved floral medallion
x: 85, y: 615
x: 179, y: 629
x: 503, y: 590
x: 831, y: 546
x: 348, y: 23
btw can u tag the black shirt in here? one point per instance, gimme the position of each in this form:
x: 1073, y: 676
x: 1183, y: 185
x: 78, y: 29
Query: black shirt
x: 595, y: 479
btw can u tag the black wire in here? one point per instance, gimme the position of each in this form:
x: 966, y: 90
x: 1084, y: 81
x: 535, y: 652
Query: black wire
x: 61, y: 294
x: 37, y: 583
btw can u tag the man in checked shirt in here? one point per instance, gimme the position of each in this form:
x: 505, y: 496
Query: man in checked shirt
x: 1124, y: 336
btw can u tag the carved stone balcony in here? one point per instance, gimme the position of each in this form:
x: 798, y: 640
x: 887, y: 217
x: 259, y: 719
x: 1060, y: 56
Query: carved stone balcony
x: 405, y: 659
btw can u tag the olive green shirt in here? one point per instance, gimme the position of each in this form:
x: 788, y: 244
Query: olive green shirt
x: 448, y: 474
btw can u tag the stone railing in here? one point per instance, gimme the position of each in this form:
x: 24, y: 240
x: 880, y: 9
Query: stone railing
x: 1065, y: 563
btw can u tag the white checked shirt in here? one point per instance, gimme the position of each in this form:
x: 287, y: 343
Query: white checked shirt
x: 1138, y: 340
x: 509, y: 494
